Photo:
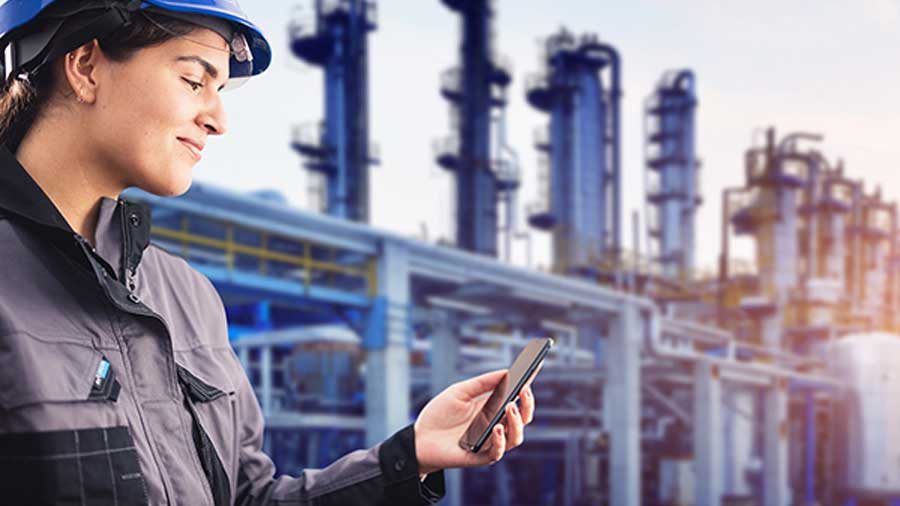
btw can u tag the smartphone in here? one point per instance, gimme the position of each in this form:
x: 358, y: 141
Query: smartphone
x: 520, y: 372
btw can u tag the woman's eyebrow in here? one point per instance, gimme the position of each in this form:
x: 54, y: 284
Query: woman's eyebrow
x: 208, y: 67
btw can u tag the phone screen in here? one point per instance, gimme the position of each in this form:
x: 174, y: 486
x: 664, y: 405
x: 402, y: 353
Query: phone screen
x: 506, y: 391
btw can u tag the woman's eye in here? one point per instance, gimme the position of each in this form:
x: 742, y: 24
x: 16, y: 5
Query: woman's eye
x: 195, y: 86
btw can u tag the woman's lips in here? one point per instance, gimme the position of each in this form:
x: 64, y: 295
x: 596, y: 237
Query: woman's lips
x: 193, y: 148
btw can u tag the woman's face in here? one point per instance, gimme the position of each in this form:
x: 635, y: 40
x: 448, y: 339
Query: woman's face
x: 154, y: 112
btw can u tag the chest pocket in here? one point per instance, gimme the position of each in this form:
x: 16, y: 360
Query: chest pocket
x: 213, y: 413
x: 54, y: 448
x: 35, y: 370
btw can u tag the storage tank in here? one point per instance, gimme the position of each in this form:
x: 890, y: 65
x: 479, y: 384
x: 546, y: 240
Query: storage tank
x: 867, y: 418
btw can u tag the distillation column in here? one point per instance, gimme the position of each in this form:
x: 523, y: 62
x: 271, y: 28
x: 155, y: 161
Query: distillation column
x: 579, y: 204
x: 475, y: 89
x: 776, y: 176
x: 335, y: 37
x: 672, y: 172
x: 876, y: 229
x: 581, y: 207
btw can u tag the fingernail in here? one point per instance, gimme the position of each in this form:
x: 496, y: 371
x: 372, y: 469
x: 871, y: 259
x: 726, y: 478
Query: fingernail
x: 515, y: 409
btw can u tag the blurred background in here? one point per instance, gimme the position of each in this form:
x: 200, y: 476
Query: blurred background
x: 695, y: 199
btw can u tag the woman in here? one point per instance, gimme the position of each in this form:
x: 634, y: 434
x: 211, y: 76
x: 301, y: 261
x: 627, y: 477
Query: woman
x: 117, y: 381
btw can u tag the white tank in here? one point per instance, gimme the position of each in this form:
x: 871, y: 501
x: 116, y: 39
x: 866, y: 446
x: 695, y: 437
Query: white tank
x: 867, y: 418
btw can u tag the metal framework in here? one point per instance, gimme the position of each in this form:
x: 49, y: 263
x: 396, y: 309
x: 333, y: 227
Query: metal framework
x: 431, y: 302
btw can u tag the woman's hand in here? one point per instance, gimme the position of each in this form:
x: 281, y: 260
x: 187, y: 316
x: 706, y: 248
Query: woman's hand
x: 446, y: 417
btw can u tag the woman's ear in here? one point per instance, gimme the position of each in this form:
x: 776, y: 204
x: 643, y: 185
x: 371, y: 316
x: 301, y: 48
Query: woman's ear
x: 80, y: 68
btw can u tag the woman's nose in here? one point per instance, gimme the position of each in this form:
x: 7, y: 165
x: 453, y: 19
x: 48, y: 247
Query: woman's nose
x: 213, y: 118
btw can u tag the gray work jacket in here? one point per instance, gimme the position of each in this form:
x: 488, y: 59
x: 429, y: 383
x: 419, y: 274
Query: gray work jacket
x: 118, y: 385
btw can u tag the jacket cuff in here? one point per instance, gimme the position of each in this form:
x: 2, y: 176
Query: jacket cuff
x: 397, y: 458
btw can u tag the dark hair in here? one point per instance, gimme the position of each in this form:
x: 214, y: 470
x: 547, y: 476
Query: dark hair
x: 21, y: 102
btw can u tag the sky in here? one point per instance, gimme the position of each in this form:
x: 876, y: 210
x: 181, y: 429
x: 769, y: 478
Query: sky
x: 824, y: 66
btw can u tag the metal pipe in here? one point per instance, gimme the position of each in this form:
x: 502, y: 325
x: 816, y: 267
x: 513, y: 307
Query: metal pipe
x: 810, y: 460
x: 511, y: 225
x: 654, y: 345
x: 723, y: 255
x: 812, y: 269
x: 673, y: 407
x: 615, y: 94
x: 683, y: 76
x: 857, y: 246
x: 696, y: 332
x: 513, y: 232
x: 635, y: 235
x: 687, y: 80
x: 792, y: 138
x: 891, y: 295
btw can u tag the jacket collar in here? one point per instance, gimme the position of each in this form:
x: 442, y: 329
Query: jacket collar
x: 123, y: 228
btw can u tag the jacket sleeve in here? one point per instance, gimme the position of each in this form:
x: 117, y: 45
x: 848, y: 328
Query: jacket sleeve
x: 387, y: 474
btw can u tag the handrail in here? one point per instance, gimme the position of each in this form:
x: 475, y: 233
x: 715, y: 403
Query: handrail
x: 231, y: 248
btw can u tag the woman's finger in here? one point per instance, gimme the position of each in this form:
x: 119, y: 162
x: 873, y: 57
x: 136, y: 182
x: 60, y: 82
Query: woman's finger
x: 474, y: 387
x: 515, y: 429
x: 498, y: 445
x: 526, y: 404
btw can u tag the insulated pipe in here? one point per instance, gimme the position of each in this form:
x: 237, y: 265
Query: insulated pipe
x: 812, y: 257
x: 857, y: 248
x: 615, y: 94
x: 892, y: 268
x: 723, y: 255
x: 792, y: 138
x: 696, y: 332
x: 512, y: 221
x: 824, y: 171
x: 669, y: 404
x: 686, y: 80
x: 655, y: 347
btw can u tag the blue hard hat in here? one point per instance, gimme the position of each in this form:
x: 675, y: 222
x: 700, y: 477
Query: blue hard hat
x: 26, y: 48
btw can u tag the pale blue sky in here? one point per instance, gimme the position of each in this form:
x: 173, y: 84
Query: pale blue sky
x: 831, y: 66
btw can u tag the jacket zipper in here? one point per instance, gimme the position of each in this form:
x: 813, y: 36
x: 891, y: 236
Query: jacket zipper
x: 140, y: 310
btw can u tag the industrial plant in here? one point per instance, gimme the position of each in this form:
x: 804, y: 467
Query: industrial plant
x: 764, y: 383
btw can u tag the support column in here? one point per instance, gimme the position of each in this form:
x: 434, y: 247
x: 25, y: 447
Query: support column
x: 573, y: 469
x: 775, y: 445
x: 444, y: 372
x: 624, y: 392
x: 707, y: 439
x: 244, y: 357
x: 265, y: 378
x: 739, y: 427
x: 262, y: 316
x: 386, y: 342
x: 265, y: 400
x: 809, y: 464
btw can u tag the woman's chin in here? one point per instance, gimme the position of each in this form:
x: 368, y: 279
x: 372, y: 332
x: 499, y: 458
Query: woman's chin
x: 168, y: 188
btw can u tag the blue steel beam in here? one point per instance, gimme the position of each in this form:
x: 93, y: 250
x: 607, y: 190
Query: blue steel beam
x: 289, y: 293
x: 428, y: 260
